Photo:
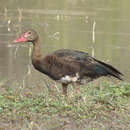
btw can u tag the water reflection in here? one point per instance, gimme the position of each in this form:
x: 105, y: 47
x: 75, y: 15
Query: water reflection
x: 59, y: 27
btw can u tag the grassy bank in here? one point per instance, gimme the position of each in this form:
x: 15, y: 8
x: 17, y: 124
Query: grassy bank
x: 100, y: 107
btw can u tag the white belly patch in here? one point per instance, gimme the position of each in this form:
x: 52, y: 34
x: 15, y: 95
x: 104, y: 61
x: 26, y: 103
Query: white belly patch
x: 68, y: 78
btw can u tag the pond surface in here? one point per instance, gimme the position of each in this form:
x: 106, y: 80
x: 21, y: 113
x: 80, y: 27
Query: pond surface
x: 101, y: 28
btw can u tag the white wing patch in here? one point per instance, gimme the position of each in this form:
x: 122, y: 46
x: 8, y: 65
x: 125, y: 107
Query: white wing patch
x: 68, y: 78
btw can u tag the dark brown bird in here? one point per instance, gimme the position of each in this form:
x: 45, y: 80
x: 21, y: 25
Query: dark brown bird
x: 67, y: 66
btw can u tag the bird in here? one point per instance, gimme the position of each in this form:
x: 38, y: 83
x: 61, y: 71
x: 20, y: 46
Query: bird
x: 67, y: 66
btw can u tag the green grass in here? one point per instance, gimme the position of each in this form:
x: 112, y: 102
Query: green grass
x: 105, y: 106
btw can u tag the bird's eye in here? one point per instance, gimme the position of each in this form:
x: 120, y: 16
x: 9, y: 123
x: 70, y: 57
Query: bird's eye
x: 29, y: 32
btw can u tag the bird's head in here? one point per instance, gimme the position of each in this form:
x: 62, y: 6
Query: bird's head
x: 28, y: 36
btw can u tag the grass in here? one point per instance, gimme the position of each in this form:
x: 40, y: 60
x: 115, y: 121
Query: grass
x: 105, y: 106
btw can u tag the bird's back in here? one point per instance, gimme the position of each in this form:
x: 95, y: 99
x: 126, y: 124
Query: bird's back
x: 72, y: 54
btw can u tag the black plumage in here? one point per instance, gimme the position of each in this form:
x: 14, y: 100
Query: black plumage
x: 67, y: 66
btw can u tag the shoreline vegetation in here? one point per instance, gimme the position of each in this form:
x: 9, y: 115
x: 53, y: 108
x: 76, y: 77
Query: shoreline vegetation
x: 104, y: 106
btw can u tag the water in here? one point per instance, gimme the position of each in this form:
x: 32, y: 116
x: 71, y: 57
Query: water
x: 101, y: 28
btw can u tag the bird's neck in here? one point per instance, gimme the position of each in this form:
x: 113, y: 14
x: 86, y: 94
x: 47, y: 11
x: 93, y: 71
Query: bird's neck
x: 36, y: 49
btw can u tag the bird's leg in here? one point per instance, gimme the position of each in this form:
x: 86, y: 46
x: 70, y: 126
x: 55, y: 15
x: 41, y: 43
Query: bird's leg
x: 64, y: 88
x: 76, y: 87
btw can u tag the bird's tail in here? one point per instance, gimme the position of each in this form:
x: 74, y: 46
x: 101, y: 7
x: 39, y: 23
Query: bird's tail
x: 110, y: 70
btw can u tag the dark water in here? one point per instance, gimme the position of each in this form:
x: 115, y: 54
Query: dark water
x: 101, y: 28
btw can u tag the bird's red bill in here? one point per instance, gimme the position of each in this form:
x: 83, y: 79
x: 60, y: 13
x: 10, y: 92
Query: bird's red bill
x: 21, y: 39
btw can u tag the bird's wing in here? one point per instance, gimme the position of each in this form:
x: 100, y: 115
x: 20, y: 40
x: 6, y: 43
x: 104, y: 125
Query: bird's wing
x: 89, y: 66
